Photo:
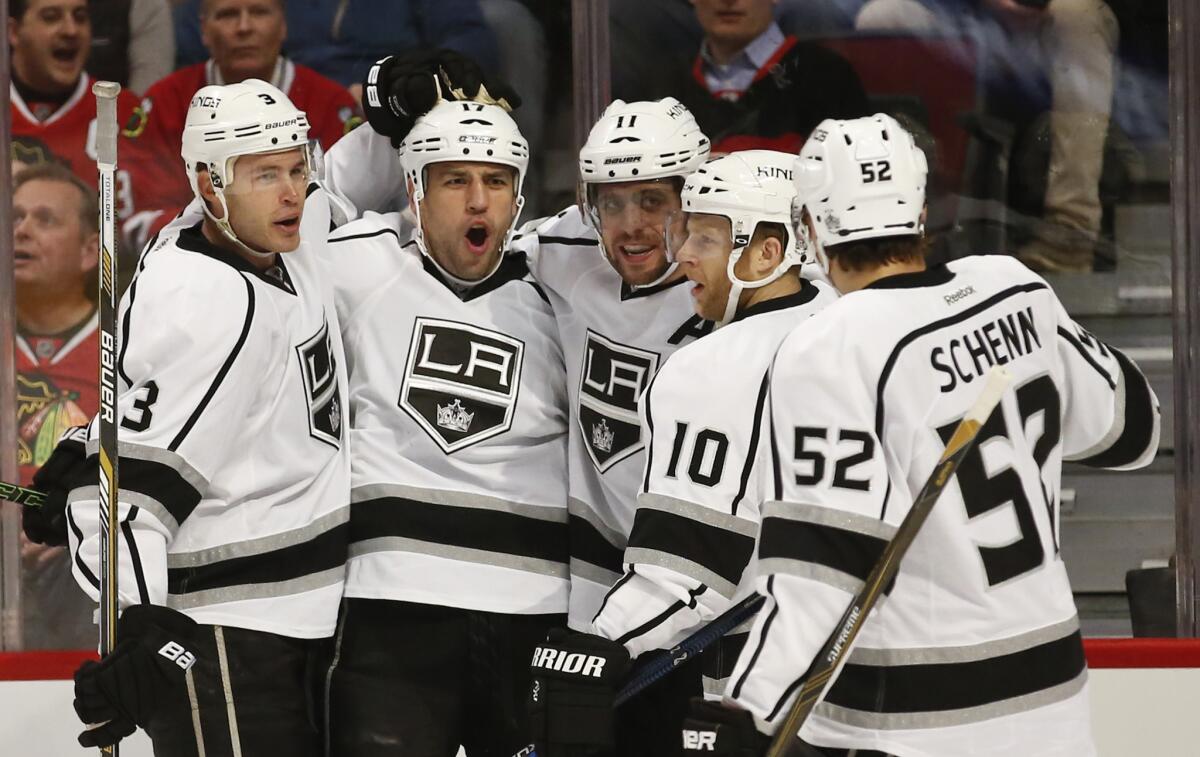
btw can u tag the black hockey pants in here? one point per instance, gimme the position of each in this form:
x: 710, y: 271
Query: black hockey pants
x: 414, y: 680
x: 250, y: 694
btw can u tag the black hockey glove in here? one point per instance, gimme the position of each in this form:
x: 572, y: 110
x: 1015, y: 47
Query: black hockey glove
x: 400, y: 88
x: 155, y: 648
x: 718, y: 731
x: 576, y: 676
x: 65, y: 469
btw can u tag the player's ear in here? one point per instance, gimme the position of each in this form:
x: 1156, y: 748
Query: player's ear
x: 771, y: 254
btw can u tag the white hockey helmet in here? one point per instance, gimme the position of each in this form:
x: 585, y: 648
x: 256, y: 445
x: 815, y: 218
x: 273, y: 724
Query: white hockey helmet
x: 226, y: 121
x: 463, y: 130
x: 859, y: 179
x: 639, y: 141
x: 747, y: 188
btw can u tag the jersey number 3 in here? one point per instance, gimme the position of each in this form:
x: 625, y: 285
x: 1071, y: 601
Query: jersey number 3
x: 983, y: 492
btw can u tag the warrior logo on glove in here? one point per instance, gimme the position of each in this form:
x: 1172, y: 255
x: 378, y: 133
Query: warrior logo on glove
x: 568, y: 662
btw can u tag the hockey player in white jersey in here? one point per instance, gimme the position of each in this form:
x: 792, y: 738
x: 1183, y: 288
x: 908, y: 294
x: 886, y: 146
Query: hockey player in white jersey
x: 976, y: 648
x: 234, y: 469
x: 458, y: 420
x: 703, y: 420
x: 621, y: 309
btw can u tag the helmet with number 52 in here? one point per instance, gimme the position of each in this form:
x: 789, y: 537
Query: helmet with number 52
x: 859, y: 180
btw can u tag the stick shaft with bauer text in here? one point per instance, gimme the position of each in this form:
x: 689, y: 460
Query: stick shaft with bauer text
x: 828, y: 660
x: 106, y: 162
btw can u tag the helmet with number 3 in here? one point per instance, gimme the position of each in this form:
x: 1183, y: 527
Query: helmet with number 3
x: 226, y: 121
x: 859, y: 179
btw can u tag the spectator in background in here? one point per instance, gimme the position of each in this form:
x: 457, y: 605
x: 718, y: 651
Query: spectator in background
x: 52, y: 102
x: 1074, y: 44
x: 342, y: 38
x: 245, y: 39
x: 752, y: 87
x: 54, y: 259
x: 133, y: 42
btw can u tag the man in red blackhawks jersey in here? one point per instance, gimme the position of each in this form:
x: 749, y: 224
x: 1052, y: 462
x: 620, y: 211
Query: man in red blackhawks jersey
x: 244, y: 38
x: 51, y: 95
x: 54, y: 258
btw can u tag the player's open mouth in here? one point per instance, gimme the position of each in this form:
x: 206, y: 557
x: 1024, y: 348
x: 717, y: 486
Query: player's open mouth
x: 477, y: 239
x: 636, y: 252
x: 65, y: 54
x: 18, y: 255
x: 289, y: 224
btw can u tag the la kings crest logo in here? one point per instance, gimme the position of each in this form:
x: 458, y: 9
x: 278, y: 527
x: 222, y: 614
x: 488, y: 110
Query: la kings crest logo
x: 612, y: 378
x: 319, y: 368
x: 461, y: 382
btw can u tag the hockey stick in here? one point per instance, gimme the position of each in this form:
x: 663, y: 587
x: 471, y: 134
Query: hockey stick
x: 665, y: 662
x: 21, y: 495
x: 829, y: 658
x: 106, y: 162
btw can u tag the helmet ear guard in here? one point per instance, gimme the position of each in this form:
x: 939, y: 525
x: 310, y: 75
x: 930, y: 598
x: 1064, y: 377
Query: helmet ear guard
x: 859, y: 179
x: 468, y: 131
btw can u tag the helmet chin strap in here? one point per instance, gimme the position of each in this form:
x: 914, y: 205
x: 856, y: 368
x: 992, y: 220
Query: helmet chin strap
x: 455, y: 281
x: 739, y: 284
x: 227, y: 229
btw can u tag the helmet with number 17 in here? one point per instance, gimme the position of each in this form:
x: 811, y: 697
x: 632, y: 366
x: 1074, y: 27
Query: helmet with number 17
x: 227, y: 121
x: 469, y: 132
x: 630, y: 172
x: 859, y: 179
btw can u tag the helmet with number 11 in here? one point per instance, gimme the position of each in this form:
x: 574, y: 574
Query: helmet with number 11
x: 630, y: 173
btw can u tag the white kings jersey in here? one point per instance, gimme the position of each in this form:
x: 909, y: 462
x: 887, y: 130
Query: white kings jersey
x: 458, y: 421
x: 704, y: 421
x: 976, y: 649
x: 234, y: 465
x: 614, y: 339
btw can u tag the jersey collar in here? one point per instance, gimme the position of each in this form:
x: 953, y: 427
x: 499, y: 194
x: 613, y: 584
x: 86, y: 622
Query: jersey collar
x: 629, y: 292
x: 514, y: 267
x: 796, y: 299
x: 192, y: 239
x: 930, y: 277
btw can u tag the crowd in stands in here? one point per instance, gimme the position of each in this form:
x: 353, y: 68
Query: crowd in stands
x: 756, y: 74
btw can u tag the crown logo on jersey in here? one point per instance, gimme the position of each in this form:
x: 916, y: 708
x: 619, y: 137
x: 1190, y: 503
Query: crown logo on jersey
x: 602, y: 436
x: 454, y: 417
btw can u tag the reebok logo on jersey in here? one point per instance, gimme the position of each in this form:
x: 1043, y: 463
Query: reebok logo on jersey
x: 461, y: 382
x: 961, y: 294
x: 568, y: 662
x: 699, y: 741
x: 611, y: 379
x: 178, y: 655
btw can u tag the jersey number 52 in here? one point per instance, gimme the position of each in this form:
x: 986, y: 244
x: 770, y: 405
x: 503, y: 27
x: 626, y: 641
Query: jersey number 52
x: 984, y: 492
